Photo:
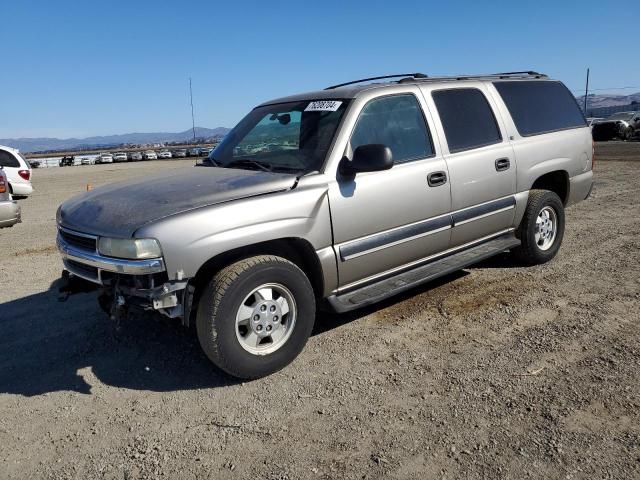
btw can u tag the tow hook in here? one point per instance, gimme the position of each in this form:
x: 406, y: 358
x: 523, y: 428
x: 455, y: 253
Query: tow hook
x: 118, y: 310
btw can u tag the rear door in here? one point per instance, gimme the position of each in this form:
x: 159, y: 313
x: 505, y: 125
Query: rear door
x: 480, y: 160
x: 385, y: 220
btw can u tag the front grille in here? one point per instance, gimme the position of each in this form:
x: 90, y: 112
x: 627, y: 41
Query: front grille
x: 79, y: 241
x: 82, y: 270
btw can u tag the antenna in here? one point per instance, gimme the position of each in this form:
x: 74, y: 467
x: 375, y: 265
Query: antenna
x: 193, y: 122
x: 586, y: 94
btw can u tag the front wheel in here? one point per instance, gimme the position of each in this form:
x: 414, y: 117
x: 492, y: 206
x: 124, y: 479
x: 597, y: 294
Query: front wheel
x: 255, y: 316
x: 542, y: 228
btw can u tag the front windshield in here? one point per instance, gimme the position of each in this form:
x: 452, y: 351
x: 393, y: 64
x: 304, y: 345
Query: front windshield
x: 621, y: 116
x: 293, y: 136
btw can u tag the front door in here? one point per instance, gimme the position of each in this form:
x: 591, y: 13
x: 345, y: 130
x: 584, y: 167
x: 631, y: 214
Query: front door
x: 383, y: 221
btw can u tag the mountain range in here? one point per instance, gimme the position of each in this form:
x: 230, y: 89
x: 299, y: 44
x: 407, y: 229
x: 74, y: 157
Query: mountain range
x: 604, y: 100
x: 49, y: 144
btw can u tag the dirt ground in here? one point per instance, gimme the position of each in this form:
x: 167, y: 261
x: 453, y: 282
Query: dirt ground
x: 499, y: 371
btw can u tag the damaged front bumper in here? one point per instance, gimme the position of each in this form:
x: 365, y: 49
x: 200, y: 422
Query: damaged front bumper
x: 140, y: 283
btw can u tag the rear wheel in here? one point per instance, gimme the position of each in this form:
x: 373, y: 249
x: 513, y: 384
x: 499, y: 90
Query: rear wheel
x: 542, y: 228
x: 255, y: 316
x: 630, y: 134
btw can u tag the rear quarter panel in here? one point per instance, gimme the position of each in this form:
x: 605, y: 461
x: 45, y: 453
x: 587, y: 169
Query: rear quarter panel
x: 569, y: 150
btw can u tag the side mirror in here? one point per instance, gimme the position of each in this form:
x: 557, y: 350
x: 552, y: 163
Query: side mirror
x: 368, y: 158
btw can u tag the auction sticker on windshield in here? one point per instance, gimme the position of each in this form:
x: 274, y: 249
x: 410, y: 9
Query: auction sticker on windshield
x: 323, y: 106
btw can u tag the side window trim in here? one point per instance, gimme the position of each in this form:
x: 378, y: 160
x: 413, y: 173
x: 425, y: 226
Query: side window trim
x: 424, y: 118
x: 501, y: 137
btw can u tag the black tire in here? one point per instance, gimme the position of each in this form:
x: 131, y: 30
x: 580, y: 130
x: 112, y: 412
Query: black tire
x: 529, y: 252
x: 630, y: 134
x: 223, y: 296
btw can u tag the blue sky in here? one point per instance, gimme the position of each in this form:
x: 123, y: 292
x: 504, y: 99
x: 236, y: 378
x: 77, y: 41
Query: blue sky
x: 81, y: 68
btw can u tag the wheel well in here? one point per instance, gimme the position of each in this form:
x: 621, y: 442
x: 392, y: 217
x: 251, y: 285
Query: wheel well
x: 557, y: 182
x: 296, y: 250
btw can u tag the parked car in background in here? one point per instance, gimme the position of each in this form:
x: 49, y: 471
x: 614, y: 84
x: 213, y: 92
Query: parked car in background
x: 135, y: 156
x: 373, y: 190
x: 120, y: 157
x: 104, y: 158
x: 205, y: 151
x: 194, y: 152
x: 165, y: 154
x: 180, y: 153
x: 17, y: 170
x: 622, y: 125
x: 67, y: 161
x: 591, y: 121
x: 9, y: 208
x: 150, y: 155
x: 86, y: 161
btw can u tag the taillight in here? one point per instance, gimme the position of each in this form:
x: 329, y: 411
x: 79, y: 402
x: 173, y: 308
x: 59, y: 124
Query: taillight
x: 3, y: 185
x: 26, y: 174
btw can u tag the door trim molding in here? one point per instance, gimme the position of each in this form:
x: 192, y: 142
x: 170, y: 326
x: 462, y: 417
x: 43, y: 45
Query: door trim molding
x: 405, y: 233
x: 476, y: 212
x: 395, y: 236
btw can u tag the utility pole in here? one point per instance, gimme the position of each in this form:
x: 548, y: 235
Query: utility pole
x: 586, y: 94
x: 193, y: 122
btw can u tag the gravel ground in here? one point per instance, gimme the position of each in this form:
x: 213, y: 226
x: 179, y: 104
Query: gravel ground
x: 499, y: 371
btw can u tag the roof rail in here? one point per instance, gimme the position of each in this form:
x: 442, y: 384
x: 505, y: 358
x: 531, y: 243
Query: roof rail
x: 406, y: 75
x: 523, y: 74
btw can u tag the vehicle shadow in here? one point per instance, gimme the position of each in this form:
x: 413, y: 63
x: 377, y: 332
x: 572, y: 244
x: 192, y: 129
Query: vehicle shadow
x: 47, y: 346
x: 44, y: 343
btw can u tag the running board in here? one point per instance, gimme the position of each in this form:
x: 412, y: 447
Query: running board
x: 400, y: 282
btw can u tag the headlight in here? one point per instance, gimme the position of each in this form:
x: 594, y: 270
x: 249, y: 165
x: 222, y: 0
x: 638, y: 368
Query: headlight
x: 132, y: 248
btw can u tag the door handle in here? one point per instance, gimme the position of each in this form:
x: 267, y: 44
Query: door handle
x: 502, y: 164
x: 436, y: 179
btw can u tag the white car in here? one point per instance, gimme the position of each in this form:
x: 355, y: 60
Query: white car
x: 150, y: 155
x: 120, y: 157
x: 17, y: 170
x: 165, y: 154
x: 104, y: 158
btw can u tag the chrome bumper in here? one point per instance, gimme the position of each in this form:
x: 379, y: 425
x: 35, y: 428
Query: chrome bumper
x: 92, y: 264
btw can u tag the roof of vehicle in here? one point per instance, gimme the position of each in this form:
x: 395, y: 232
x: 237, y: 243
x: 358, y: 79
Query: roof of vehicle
x: 353, y: 88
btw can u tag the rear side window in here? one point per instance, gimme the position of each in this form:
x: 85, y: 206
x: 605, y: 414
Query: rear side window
x: 539, y: 107
x: 397, y: 122
x: 8, y: 160
x: 467, y: 118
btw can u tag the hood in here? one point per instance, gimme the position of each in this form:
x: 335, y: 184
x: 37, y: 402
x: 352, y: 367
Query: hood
x: 119, y: 209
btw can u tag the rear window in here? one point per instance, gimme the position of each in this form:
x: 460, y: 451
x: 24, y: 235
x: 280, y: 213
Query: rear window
x: 540, y: 107
x: 8, y: 160
x: 467, y: 118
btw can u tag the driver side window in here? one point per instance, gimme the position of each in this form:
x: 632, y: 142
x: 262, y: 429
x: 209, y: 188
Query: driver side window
x: 397, y: 122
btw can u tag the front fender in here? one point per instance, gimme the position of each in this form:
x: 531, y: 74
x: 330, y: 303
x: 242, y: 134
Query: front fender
x: 190, y: 239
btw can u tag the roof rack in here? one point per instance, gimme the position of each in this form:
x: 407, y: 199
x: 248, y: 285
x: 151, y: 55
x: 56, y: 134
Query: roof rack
x: 421, y: 77
x: 406, y: 75
x: 523, y: 74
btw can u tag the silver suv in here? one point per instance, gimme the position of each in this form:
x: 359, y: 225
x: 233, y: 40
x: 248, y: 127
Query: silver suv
x: 340, y: 197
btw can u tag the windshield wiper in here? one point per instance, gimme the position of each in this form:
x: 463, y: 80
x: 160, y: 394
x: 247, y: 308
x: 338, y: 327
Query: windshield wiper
x: 246, y: 162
